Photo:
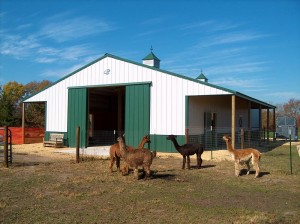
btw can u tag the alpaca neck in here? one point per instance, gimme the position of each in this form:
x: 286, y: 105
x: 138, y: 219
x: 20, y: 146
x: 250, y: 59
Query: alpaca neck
x: 122, y: 148
x: 141, y: 145
x: 229, y: 146
x: 176, y: 144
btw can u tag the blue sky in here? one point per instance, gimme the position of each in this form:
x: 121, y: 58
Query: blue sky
x: 248, y: 46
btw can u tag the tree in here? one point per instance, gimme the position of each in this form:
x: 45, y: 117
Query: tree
x: 35, y: 112
x: 291, y: 109
x: 11, y: 96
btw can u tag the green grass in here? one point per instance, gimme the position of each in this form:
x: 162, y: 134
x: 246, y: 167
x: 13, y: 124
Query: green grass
x: 87, y: 192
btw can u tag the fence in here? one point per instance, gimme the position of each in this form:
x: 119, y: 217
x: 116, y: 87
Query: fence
x: 213, y: 139
x: 32, y: 135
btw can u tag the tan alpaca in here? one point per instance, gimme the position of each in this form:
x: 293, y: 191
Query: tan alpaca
x: 136, y: 158
x: 243, y: 156
x: 115, y: 153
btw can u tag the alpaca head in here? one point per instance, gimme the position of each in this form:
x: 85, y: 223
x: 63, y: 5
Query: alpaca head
x: 120, y: 139
x: 169, y: 137
x: 146, y: 138
x: 227, y: 138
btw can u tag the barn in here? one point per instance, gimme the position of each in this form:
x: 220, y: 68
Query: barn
x: 112, y: 95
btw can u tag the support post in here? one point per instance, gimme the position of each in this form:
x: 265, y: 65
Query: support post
x: 274, y: 124
x: 77, y: 144
x: 6, y: 146
x: 268, y: 124
x: 291, y: 163
x: 186, y: 136
x: 233, y: 120
x: 249, y: 123
x: 242, y: 138
x: 23, y: 123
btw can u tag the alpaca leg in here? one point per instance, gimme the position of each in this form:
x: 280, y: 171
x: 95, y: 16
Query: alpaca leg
x: 148, y: 172
x: 237, y: 168
x: 112, y: 161
x: 136, y: 173
x: 248, y: 167
x: 118, y: 163
x: 188, y: 162
x: 256, y: 167
x: 183, y: 162
x: 199, y: 161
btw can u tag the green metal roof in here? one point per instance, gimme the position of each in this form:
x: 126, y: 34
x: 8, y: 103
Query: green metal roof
x: 151, y: 56
x: 265, y: 105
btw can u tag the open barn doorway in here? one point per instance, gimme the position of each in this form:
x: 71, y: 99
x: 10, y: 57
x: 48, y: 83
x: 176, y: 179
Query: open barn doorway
x: 106, y: 108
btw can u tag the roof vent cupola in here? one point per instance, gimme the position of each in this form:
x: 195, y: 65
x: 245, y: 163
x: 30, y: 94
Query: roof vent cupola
x: 151, y: 60
x: 202, y: 77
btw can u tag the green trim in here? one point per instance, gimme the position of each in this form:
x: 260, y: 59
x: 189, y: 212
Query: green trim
x: 111, y: 85
x: 161, y: 144
x: 160, y: 70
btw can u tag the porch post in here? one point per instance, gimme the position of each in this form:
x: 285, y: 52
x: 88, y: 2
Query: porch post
x: 260, y: 124
x: 249, y: 122
x: 233, y: 120
x: 23, y: 123
x: 268, y: 124
x: 274, y: 124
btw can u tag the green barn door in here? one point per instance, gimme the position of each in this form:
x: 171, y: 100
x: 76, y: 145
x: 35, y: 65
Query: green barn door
x: 137, y: 113
x: 77, y: 115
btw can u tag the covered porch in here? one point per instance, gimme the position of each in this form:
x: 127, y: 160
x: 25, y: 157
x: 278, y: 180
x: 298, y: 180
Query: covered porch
x: 209, y: 117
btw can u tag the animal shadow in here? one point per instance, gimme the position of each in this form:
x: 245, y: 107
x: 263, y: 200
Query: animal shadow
x: 164, y: 176
x: 252, y: 172
x: 203, y: 167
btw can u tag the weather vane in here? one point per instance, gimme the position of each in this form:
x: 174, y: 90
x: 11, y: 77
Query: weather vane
x: 151, y: 48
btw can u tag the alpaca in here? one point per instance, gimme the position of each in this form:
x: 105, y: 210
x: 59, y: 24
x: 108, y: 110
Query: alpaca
x: 141, y: 157
x: 243, y: 156
x: 115, y: 154
x: 187, y: 150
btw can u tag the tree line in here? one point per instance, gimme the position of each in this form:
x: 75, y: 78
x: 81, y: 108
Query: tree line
x: 13, y: 93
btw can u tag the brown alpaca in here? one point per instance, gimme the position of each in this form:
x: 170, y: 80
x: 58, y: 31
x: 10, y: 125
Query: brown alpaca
x: 115, y: 153
x: 141, y: 157
x: 243, y: 156
x: 187, y: 150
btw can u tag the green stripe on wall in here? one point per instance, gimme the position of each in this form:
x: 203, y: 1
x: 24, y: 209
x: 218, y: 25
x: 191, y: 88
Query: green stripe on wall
x: 161, y: 144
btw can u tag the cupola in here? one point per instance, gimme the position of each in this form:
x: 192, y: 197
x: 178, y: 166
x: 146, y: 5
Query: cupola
x: 202, y: 77
x: 151, y: 60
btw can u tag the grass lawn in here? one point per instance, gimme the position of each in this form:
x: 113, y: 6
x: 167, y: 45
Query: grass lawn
x: 66, y: 192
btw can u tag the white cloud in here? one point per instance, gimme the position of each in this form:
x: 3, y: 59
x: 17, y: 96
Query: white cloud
x: 229, y: 38
x: 239, y: 82
x: 73, y: 28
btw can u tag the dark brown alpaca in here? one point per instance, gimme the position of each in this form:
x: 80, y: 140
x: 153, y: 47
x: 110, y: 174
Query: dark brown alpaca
x: 141, y: 157
x: 187, y: 150
x: 115, y: 153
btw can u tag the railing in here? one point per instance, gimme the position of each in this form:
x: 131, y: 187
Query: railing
x: 212, y: 139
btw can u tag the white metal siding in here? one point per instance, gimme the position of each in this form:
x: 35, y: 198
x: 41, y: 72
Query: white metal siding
x: 167, y: 109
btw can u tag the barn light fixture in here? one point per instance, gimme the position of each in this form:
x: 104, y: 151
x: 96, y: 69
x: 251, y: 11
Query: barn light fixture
x: 107, y: 71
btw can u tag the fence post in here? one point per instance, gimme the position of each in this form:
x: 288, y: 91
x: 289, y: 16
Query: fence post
x: 6, y: 146
x: 77, y: 144
x: 242, y: 138
x: 186, y: 136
